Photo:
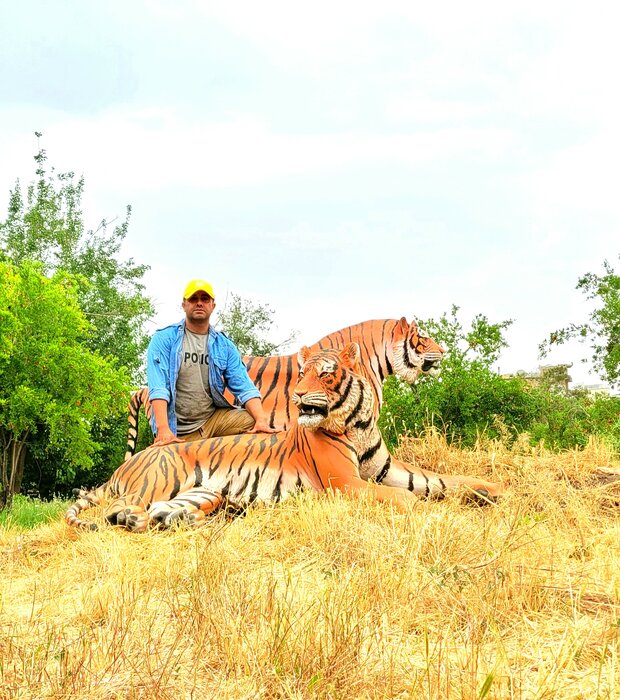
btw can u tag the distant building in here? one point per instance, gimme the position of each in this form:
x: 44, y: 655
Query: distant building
x: 551, y: 376
x: 556, y: 377
x: 595, y: 389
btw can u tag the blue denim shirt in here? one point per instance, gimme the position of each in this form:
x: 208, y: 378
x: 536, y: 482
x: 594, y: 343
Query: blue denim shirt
x: 226, y: 370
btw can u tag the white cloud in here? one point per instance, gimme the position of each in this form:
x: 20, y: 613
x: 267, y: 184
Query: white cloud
x: 500, y: 120
x: 584, y: 175
x: 156, y: 149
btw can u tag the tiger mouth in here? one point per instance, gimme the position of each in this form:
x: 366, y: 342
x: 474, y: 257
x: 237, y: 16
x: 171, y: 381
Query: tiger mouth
x: 313, y: 411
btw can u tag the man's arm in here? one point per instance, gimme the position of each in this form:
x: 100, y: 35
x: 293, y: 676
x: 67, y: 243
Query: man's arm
x: 160, y: 413
x: 236, y: 377
x: 255, y: 408
x: 158, y: 376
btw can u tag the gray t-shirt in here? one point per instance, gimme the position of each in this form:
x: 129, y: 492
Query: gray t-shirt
x: 194, y: 404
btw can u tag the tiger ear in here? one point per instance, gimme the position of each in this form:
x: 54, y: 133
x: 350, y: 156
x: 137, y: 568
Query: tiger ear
x: 303, y: 355
x: 414, y: 329
x: 418, y: 330
x: 402, y: 328
x: 350, y: 356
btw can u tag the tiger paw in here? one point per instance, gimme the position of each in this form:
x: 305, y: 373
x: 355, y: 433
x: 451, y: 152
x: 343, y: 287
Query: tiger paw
x: 135, y: 521
x: 178, y: 515
x: 484, y: 496
x: 196, y: 519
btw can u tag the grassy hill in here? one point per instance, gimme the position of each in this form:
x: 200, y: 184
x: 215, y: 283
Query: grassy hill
x: 326, y: 597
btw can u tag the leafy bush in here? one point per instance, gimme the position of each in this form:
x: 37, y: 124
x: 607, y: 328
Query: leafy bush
x: 461, y: 404
x: 566, y: 421
x: 470, y: 399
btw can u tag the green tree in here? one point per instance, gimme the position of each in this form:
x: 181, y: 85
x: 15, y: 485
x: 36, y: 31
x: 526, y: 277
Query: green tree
x: 49, y: 378
x: 48, y: 227
x: 45, y: 223
x: 602, y: 330
x: 480, y: 345
x: 246, y: 323
x: 469, y: 397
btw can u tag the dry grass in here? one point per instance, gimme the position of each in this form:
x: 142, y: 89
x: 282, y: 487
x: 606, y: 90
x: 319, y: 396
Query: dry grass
x: 334, y: 598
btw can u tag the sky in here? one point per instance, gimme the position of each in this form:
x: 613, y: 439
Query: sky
x: 336, y: 161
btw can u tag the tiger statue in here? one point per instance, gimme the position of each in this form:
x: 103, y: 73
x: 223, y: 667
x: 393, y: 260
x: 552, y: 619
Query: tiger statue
x: 386, y: 347
x: 334, y: 444
x: 319, y: 451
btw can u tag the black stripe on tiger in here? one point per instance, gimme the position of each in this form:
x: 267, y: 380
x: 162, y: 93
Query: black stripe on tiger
x: 356, y: 410
x: 371, y: 451
x: 384, y: 470
x: 407, y: 355
x: 345, y: 395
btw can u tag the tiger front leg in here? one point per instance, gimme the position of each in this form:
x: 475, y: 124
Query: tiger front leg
x: 476, y: 490
x: 129, y: 515
x: 190, y: 507
x: 349, y: 484
x: 428, y: 484
x: 400, y: 498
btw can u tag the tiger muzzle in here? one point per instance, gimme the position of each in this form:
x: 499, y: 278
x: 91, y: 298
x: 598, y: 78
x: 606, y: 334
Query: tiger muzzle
x: 308, y: 409
x: 428, y: 365
x: 309, y: 405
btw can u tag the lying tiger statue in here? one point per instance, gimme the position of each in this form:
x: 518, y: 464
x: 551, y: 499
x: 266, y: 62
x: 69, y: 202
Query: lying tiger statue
x: 329, y: 447
x: 386, y: 347
x: 320, y: 451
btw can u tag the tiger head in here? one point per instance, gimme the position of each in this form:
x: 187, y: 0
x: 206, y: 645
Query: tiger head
x: 331, y: 393
x: 414, y: 352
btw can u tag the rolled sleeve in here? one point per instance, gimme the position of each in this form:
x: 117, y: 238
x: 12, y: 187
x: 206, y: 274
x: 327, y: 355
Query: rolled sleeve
x: 158, y: 370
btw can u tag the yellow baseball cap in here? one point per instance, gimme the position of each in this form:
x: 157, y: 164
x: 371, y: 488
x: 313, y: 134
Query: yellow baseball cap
x: 198, y: 286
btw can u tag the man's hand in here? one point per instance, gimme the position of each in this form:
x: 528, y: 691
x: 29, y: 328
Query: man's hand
x: 262, y: 426
x: 261, y: 423
x: 165, y: 437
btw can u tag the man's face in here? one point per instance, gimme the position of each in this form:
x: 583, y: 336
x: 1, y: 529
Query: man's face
x: 198, y: 307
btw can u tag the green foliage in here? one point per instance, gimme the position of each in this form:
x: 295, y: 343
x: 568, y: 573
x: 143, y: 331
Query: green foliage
x: 26, y: 513
x: 45, y: 224
x: 568, y: 420
x: 246, y: 323
x: 49, y: 379
x: 48, y: 227
x: 480, y: 346
x: 602, y: 330
x: 464, y: 405
x: 46, y: 475
x: 469, y: 400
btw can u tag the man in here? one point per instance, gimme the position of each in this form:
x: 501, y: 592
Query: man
x: 188, y: 366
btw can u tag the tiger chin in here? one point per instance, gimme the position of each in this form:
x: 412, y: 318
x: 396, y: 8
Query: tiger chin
x: 185, y: 482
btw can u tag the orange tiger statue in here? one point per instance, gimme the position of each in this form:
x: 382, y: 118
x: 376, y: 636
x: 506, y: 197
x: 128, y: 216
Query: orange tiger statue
x: 319, y: 451
x: 387, y: 347
x: 334, y: 444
